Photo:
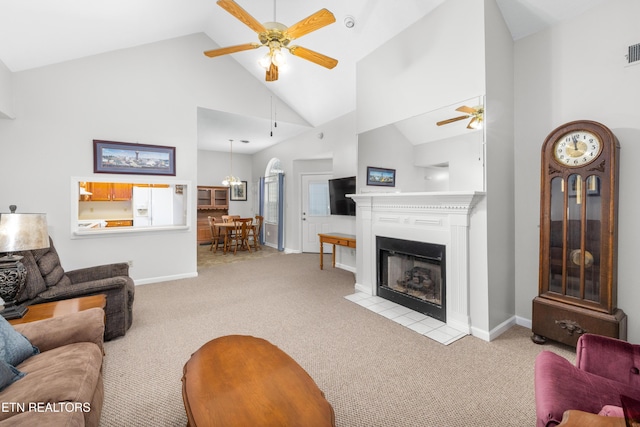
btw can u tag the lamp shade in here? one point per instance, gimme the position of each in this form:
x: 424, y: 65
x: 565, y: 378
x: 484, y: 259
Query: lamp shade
x: 23, y: 232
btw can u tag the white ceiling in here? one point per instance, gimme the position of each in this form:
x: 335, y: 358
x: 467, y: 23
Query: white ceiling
x: 36, y: 33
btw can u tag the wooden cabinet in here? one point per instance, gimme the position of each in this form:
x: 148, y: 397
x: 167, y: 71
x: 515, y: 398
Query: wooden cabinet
x: 213, y: 197
x: 109, y: 191
x: 212, y: 201
x: 120, y: 223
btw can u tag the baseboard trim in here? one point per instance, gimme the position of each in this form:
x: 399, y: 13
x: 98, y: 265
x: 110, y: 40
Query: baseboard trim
x: 164, y: 278
x: 523, y: 321
x: 495, y: 332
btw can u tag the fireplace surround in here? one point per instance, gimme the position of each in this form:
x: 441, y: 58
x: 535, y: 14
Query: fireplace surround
x: 440, y: 218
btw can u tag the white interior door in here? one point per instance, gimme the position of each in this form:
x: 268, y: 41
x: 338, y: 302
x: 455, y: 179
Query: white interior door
x: 316, y: 217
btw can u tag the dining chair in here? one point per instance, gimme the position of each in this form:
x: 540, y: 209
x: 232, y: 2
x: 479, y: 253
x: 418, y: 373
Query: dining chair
x: 229, y: 218
x: 216, y: 238
x: 241, y: 234
x: 254, y: 232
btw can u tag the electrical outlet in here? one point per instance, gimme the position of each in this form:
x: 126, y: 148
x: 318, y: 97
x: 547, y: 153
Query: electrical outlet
x: 130, y: 262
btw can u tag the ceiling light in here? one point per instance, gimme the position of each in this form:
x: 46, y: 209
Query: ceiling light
x: 230, y: 179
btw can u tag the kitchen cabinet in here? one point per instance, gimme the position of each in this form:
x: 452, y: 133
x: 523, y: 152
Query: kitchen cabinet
x: 213, y: 197
x: 119, y: 223
x: 109, y: 191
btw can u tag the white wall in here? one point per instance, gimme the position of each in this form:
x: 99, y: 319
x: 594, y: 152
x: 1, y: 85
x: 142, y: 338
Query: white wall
x: 147, y: 94
x: 437, y: 61
x: 499, y: 168
x: 464, y: 156
x: 339, y: 144
x: 387, y: 148
x: 6, y: 92
x: 569, y: 72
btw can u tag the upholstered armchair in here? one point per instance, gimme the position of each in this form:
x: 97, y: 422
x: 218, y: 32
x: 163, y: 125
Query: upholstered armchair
x: 47, y: 281
x: 605, y: 370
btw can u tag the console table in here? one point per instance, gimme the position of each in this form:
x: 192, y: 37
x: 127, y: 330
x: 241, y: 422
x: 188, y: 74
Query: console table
x: 348, y: 240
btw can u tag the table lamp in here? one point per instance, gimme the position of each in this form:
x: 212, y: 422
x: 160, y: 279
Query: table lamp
x: 18, y: 232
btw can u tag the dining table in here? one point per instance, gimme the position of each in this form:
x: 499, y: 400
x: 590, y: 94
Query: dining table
x: 226, y: 228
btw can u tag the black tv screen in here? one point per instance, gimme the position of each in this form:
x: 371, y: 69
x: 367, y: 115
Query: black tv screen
x: 338, y: 202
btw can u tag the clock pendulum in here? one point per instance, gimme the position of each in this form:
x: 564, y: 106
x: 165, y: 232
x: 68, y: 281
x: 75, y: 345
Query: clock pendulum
x: 578, y: 236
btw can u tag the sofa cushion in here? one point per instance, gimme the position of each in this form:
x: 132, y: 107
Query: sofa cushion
x: 14, y: 347
x: 34, y: 283
x: 8, y: 374
x: 64, y: 374
x: 45, y: 419
x: 50, y: 266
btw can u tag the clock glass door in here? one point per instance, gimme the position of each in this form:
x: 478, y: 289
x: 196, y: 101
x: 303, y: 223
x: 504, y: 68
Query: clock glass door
x: 574, y: 243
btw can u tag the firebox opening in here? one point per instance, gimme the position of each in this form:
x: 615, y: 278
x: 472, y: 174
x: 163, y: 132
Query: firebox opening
x: 412, y: 274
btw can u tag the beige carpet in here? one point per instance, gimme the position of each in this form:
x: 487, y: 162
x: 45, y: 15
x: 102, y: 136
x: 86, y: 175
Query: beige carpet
x: 373, y: 371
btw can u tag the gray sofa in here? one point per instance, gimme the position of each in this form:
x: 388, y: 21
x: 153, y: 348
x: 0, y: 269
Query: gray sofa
x: 47, y: 281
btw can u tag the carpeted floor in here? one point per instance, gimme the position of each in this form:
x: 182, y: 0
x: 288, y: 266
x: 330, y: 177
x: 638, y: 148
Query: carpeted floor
x: 373, y: 371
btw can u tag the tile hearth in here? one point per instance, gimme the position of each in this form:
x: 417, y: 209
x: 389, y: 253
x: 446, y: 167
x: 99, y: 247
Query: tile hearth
x: 417, y: 322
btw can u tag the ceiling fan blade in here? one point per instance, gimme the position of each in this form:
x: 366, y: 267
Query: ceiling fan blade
x: 455, y: 119
x: 312, y: 56
x: 272, y: 73
x: 465, y: 109
x: 231, y: 49
x: 311, y: 23
x: 242, y: 15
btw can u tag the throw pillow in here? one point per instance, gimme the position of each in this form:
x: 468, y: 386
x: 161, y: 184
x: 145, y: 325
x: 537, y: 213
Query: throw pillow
x: 14, y: 347
x: 8, y: 374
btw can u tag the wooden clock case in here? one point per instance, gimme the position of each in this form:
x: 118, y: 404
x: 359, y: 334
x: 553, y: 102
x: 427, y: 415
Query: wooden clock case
x: 578, y: 241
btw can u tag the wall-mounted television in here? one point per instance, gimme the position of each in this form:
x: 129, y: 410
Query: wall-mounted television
x: 338, y: 202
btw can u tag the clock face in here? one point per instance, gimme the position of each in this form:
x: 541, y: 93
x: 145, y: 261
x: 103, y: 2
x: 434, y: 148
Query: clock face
x: 577, y: 148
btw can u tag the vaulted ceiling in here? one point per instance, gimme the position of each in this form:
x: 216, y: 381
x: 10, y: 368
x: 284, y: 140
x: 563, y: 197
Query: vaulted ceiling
x: 36, y: 33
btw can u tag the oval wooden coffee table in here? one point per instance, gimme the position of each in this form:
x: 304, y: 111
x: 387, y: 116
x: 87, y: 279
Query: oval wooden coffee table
x: 239, y: 380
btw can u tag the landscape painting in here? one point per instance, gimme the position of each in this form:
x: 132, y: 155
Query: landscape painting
x: 130, y: 158
x: 380, y: 176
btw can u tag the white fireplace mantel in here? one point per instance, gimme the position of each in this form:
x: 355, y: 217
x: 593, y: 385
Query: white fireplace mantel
x: 432, y: 217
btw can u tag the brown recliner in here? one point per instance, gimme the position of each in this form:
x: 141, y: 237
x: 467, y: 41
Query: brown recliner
x: 47, y: 281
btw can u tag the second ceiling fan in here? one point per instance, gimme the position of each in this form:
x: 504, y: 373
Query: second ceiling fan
x: 476, y: 114
x: 277, y: 37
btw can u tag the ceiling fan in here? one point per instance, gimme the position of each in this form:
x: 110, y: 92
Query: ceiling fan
x: 277, y: 37
x: 476, y: 114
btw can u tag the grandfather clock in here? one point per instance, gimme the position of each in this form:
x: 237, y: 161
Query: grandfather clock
x: 578, y: 236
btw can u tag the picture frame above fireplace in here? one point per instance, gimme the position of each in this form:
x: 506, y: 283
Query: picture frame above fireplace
x: 381, y: 177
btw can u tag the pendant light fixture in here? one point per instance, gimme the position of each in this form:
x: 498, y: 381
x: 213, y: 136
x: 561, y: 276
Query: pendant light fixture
x: 231, y: 180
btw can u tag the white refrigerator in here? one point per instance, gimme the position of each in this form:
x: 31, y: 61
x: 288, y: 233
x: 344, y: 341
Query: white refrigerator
x: 152, y: 206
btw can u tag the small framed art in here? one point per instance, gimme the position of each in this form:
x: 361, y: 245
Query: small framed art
x: 238, y: 193
x: 381, y: 177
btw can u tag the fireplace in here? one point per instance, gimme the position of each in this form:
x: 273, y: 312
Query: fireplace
x: 412, y: 274
x: 443, y: 219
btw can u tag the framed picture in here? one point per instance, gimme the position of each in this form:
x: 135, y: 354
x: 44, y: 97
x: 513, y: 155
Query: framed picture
x: 381, y: 177
x: 238, y: 193
x: 129, y: 158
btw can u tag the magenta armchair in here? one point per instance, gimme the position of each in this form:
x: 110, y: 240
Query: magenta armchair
x: 606, y: 368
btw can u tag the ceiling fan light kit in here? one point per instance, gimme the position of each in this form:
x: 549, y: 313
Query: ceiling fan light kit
x: 276, y: 37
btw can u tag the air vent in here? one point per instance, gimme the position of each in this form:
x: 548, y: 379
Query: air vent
x: 633, y: 56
